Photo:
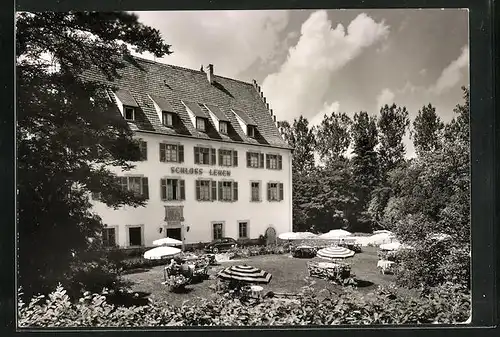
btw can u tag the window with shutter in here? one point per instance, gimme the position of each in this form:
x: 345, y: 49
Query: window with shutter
x: 204, y: 188
x: 235, y: 158
x: 243, y: 230
x: 281, y: 192
x: 169, y: 153
x: 198, y: 190
x: 163, y: 189
x: 253, y: 159
x: 143, y: 146
x: 196, y: 155
x: 213, y: 159
x: 272, y: 161
x: 145, y: 188
x: 214, y: 190
x: 225, y: 157
x: 181, y: 153
x: 273, y: 193
x: 267, y: 161
x: 220, y: 191
x: 261, y: 160
x: 182, y: 187
x: 280, y: 162
x: 255, y: 191
x: 235, y: 191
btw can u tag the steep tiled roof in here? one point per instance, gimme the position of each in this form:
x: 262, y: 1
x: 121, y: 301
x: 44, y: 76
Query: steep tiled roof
x: 217, y: 112
x: 245, y: 117
x: 126, y: 98
x: 144, y: 79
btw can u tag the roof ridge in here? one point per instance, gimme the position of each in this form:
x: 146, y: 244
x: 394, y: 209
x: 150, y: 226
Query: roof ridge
x: 188, y: 69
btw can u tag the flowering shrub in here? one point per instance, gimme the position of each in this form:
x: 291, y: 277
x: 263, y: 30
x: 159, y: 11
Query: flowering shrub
x: 245, y: 252
x: 177, y: 282
x: 445, y: 305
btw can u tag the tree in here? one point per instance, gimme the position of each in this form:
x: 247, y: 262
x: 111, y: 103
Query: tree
x: 302, y: 139
x: 68, y: 133
x: 365, y: 166
x: 430, y: 197
x: 427, y: 127
x: 392, y: 125
x: 333, y: 137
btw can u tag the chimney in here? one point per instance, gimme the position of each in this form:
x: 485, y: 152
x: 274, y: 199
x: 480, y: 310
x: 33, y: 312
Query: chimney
x: 210, y: 73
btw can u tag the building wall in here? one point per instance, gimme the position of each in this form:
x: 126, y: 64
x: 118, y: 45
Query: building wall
x: 199, y: 215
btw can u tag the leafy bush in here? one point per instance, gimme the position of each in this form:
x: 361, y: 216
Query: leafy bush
x: 445, y: 305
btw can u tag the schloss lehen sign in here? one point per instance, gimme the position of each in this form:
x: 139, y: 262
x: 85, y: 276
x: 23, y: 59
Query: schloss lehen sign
x: 200, y: 171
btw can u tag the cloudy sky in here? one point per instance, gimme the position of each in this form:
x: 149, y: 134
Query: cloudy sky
x: 312, y: 62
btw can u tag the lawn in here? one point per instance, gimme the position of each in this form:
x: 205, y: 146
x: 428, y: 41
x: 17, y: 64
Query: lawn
x: 289, y: 276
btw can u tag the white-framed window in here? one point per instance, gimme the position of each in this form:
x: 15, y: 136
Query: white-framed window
x: 129, y: 113
x: 109, y: 237
x: 228, y: 190
x: 171, y: 153
x: 223, y: 127
x: 274, y: 162
x: 172, y: 189
x: 135, y: 236
x: 206, y: 190
x: 255, y: 159
x: 251, y: 131
x: 204, y: 155
x: 168, y: 118
x: 200, y: 124
x: 136, y: 184
x: 274, y: 191
x: 243, y: 229
x: 255, y: 191
x: 228, y: 157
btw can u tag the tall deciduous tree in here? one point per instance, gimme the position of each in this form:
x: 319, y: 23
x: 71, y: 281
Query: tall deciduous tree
x: 301, y: 137
x: 68, y: 133
x: 427, y: 128
x: 365, y: 166
x: 392, y: 125
x: 333, y: 137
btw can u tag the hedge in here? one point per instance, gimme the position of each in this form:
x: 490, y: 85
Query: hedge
x: 445, y: 305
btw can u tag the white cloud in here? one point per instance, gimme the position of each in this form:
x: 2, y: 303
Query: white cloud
x: 302, y: 84
x: 453, y: 73
x: 385, y: 97
x: 230, y: 40
x: 326, y: 110
x: 423, y: 72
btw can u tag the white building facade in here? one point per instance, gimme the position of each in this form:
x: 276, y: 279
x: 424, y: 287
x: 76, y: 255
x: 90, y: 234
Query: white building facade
x: 213, y: 165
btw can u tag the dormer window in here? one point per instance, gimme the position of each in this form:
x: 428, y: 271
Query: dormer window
x: 129, y: 113
x: 200, y: 124
x: 168, y: 119
x: 251, y: 131
x: 223, y: 127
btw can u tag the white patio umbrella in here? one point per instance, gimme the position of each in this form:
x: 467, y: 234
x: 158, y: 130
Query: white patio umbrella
x: 297, y: 236
x: 381, y: 238
x: 162, y: 252
x: 334, y: 253
x: 335, y: 234
x: 167, y: 242
x: 395, y: 246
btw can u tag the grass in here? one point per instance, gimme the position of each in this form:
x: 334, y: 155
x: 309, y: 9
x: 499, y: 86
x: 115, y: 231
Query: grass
x: 289, y: 276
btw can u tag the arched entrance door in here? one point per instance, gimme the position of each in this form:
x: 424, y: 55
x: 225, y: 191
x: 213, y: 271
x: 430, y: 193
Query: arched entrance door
x: 270, y: 236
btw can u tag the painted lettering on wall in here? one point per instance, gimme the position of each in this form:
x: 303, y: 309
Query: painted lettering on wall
x: 200, y: 171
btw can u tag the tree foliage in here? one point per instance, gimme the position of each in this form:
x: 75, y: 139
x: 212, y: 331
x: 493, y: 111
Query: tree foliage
x: 68, y: 132
x: 333, y: 137
x: 301, y: 137
x: 365, y: 166
x: 431, y: 197
x: 427, y: 128
x: 392, y: 125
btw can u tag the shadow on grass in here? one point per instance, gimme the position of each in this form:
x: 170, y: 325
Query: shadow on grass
x: 181, y: 290
x: 137, y: 298
x: 363, y: 283
x: 136, y: 271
